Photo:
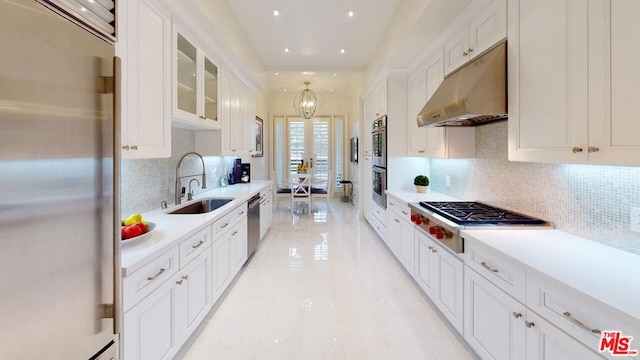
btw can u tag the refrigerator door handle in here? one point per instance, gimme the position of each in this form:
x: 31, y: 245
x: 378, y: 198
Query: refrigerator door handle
x: 117, y: 296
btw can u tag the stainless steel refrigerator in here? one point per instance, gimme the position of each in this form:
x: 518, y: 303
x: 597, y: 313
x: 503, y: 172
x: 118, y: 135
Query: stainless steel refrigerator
x: 58, y: 188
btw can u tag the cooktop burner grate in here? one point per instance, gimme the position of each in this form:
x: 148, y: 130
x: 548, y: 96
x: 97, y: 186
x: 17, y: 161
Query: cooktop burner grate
x: 470, y: 213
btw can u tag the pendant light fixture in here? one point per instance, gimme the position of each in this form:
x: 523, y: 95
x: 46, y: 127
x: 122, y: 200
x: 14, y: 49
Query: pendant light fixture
x: 306, y: 102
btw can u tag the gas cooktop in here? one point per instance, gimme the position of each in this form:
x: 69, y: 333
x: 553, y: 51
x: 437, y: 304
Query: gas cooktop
x: 475, y: 213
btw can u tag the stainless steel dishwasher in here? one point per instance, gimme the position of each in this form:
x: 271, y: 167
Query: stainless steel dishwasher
x: 253, y: 225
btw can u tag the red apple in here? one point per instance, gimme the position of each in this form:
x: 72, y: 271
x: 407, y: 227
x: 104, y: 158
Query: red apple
x: 131, y: 231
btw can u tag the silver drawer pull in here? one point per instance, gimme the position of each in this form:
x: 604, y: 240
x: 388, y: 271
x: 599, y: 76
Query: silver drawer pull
x: 224, y: 226
x: 484, y: 264
x: 398, y: 221
x: 404, y: 212
x: 581, y: 324
x: 156, y: 275
x: 234, y: 233
x: 433, y: 250
x: 179, y: 282
x: 185, y: 277
x: 198, y: 244
x: 241, y: 212
x: 392, y: 204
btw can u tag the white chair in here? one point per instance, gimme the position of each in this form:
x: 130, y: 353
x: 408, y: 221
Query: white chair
x: 301, y: 190
x: 321, y: 188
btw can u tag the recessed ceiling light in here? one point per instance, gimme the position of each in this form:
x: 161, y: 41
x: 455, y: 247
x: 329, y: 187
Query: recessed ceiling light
x: 335, y: 74
x: 285, y: 90
x: 276, y: 12
x: 331, y: 90
x: 307, y: 73
x: 350, y: 13
x: 342, y: 51
x: 276, y: 74
x: 286, y: 49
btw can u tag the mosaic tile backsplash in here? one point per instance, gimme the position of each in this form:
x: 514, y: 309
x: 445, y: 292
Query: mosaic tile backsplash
x: 590, y: 201
x: 147, y: 182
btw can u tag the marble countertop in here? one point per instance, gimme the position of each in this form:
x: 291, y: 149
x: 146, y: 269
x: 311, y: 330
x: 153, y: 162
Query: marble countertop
x: 602, y: 272
x: 171, y: 229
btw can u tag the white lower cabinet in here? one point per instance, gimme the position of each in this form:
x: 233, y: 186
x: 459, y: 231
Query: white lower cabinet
x: 221, y: 265
x: 440, y: 275
x: 156, y: 327
x: 238, y: 244
x: 494, y: 322
x: 547, y: 342
x: 266, y: 211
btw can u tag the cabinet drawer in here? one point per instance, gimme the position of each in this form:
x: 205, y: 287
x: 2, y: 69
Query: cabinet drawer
x: 238, y: 213
x: 378, y: 227
x: 581, y: 316
x: 399, y: 207
x: 221, y: 225
x: 142, y: 282
x: 504, y: 273
x: 380, y: 214
x: 194, y: 246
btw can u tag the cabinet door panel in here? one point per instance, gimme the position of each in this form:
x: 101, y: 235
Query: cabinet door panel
x: 493, y: 321
x: 448, y: 295
x: 548, y: 107
x: 456, y: 50
x: 417, y: 98
x: 222, y: 266
x: 196, y: 291
x: 547, y: 342
x: 408, y: 246
x: 488, y: 27
x: 613, y: 97
x: 149, y: 327
x: 423, y: 274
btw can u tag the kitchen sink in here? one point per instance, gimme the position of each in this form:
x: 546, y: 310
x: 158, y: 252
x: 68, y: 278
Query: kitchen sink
x: 203, y: 206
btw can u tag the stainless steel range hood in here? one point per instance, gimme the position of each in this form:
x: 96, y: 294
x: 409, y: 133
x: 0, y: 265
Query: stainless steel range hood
x: 473, y: 95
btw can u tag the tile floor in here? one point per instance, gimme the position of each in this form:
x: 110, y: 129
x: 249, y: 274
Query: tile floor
x: 324, y: 287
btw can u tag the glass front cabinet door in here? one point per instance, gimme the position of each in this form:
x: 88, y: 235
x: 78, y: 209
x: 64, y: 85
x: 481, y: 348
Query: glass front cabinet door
x: 195, y: 94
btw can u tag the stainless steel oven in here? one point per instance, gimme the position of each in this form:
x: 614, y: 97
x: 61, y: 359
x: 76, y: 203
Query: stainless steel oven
x: 379, y: 141
x: 379, y: 186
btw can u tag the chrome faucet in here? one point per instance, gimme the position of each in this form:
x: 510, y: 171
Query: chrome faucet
x: 178, y: 177
x: 190, y: 193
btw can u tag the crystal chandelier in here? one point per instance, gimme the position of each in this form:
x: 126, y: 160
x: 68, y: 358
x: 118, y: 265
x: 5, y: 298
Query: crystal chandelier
x: 306, y: 102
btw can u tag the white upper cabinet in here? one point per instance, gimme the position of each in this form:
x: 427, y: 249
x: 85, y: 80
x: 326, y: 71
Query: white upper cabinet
x: 572, y: 82
x: 144, y: 45
x: 484, y: 29
x: 195, y: 90
x: 614, y: 49
x: 434, y: 142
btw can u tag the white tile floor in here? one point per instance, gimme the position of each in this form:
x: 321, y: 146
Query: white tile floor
x: 324, y: 287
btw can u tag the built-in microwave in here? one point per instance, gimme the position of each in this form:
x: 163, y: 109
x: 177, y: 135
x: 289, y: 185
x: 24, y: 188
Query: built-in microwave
x: 379, y: 141
x: 379, y: 186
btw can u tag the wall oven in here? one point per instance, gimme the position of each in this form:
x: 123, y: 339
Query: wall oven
x: 379, y: 141
x: 379, y: 186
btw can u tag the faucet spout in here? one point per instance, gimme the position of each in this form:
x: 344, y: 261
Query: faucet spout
x: 178, y: 189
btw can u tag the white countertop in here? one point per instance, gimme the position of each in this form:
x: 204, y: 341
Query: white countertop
x: 413, y: 196
x: 607, y: 274
x: 171, y: 229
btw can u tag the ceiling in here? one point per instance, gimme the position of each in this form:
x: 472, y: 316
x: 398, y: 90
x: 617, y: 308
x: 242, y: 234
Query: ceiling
x: 381, y: 33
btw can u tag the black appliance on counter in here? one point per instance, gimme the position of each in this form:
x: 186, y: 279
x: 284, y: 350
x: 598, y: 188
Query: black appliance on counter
x: 245, y: 173
x: 443, y: 220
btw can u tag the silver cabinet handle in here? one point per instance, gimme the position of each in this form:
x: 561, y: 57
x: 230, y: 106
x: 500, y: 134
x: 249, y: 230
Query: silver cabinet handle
x: 241, y: 212
x: 405, y: 213
x: 484, y: 264
x: 392, y: 204
x: 234, y: 233
x: 517, y: 315
x: 198, y: 244
x: 470, y: 50
x: 398, y: 221
x: 421, y: 151
x: 202, y: 117
x: 134, y: 147
x: 179, y: 282
x: 465, y: 53
x: 224, y: 226
x: 186, y: 277
x: 125, y: 147
x: 576, y: 149
x: 581, y: 324
x: 529, y: 324
x: 430, y: 247
x: 593, y: 149
x: 156, y: 275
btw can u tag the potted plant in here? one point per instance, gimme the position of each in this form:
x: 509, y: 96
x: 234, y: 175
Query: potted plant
x: 421, y: 182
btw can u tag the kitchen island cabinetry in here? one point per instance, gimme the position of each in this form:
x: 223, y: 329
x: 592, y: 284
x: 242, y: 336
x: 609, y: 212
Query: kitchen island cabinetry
x: 144, y: 45
x: 583, y: 109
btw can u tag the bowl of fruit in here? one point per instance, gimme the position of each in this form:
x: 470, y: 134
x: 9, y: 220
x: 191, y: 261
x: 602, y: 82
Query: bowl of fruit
x: 135, y: 228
